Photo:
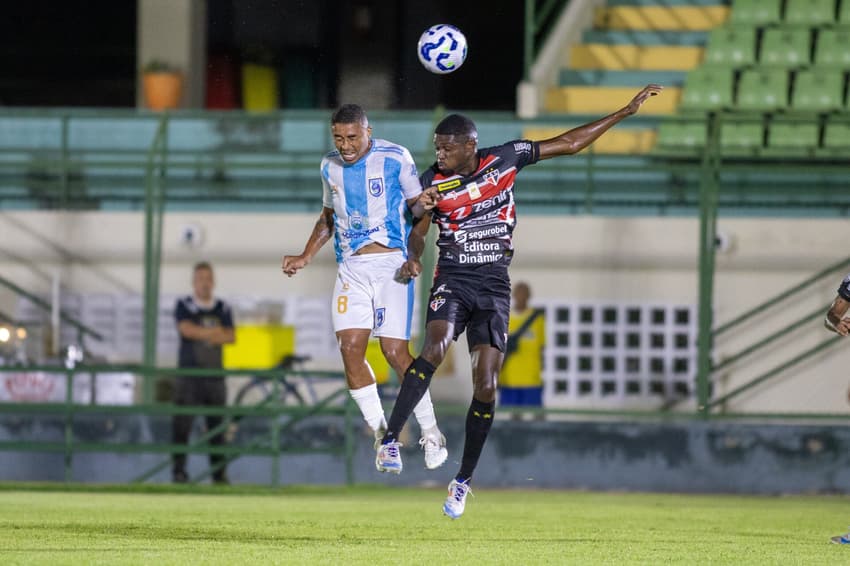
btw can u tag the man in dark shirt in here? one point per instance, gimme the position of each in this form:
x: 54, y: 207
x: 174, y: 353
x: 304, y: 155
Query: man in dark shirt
x: 470, y: 195
x: 204, y: 324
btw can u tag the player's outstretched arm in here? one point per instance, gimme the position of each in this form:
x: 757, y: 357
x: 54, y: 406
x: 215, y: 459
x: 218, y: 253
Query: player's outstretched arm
x: 415, y: 247
x: 322, y: 232
x: 835, y: 320
x: 578, y: 138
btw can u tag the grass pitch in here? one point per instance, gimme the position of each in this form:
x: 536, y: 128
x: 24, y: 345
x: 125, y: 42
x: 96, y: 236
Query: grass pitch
x: 387, y: 525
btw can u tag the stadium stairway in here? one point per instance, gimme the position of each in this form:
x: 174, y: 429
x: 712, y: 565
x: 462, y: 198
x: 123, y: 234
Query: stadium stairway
x: 632, y: 43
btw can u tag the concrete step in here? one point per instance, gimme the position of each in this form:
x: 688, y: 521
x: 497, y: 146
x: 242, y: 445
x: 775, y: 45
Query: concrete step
x: 646, y: 37
x: 604, y: 100
x: 636, y: 79
x: 693, y: 18
x: 633, y: 57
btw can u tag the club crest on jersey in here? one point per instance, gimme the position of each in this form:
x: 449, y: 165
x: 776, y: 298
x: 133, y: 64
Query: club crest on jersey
x: 380, y: 317
x: 448, y: 185
x: 474, y: 192
x: 492, y: 177
x: 376, y: 186
x: 437, y: 302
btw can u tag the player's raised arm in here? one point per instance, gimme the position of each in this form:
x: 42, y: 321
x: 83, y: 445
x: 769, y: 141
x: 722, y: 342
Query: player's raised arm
x: 835, y: 320
x: 578, y: 138
x: 322, y: 232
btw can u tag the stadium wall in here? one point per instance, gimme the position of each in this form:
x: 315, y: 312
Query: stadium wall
x: 687, y: 456
x: 651, y: 259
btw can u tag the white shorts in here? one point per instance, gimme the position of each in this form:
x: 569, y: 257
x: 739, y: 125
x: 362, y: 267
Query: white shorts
x: 368, y: 295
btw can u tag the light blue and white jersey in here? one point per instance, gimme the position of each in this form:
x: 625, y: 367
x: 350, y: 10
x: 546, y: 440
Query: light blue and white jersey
x: 369, y: 197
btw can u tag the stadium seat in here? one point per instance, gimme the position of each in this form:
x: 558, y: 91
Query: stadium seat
x: 708, y: 88
x: 786, y: 47
x: 844, y: 12
x: 836, y: 138
x: 755, y: 12
x: 741, y: 138
x: 810, y: 12
x: 763, y: 89
x: 734, y: 46
x: 818, y: 89
x: 833, y: 47
x: 680, y: 137
x: 793, y: 138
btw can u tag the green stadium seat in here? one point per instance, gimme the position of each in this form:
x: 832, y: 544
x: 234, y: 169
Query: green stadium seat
x: 833, y: 47
x: 810, y: 12
x: 708, y: 88
x: 745, y: 138
x: 734, y: 46
x: 680, y: 137
x: 755, y: 12
x: 786, y: 47
x: 836, y: 137
x: 818, y: 89
x: 793, y: 138
x: 763, y: 89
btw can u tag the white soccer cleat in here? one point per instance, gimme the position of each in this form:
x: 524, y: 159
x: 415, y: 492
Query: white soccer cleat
x: 434, y: 445
x: 456, y: 501
x: 388, y: 458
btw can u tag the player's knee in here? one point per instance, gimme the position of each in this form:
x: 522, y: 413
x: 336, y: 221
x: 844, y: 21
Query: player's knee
x: 435, y: 352
x: 486, y: 391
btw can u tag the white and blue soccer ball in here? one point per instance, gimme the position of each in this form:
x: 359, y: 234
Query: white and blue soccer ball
x: 442, y: 49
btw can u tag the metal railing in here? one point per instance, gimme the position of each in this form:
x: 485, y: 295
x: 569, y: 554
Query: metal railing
x: 336, y: 403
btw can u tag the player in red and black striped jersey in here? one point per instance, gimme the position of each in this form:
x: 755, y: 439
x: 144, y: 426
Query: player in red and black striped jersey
x: 469, y: 192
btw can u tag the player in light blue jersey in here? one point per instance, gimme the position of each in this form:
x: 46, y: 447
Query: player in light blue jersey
x: 369, y: 186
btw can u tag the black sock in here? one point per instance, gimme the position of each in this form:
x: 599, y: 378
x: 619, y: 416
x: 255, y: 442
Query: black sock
x: 417, y: 377
x: 479, y: 419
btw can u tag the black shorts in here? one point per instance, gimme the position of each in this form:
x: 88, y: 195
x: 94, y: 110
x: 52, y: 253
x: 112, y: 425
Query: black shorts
x: 476, y: 299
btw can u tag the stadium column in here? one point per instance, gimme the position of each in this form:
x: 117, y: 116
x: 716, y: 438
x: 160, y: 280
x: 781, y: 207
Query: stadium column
x: 709, y: 188
x: 175, y: 32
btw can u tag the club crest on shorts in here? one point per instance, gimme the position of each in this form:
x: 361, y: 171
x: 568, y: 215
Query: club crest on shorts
x: 376, y: 186
x: 437, y: 302
x: 380, y: 317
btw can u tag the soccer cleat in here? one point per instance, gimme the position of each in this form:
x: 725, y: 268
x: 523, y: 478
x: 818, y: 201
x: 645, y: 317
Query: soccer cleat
x: 456, y: 501
x: 840, y: 539
x: 434, y: 445
x: 388, y: 458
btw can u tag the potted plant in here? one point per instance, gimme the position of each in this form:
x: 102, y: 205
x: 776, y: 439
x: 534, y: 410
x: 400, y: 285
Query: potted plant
x: 162, y: 85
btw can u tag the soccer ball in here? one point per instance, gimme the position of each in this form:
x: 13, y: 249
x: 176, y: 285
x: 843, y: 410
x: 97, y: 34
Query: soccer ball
x: 442, y: 49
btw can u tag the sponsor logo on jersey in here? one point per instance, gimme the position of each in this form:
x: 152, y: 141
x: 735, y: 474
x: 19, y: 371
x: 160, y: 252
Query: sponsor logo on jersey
x: 437, y: 302
x: 441, y: 289
x: 345, y: 286
x: 522, y: 147
x: 380, y: 317
x: 492, y: 176
x: 496, y: 231
x: 448, y: 185
x: 355, y: 221
x: 356, y: 234
x: 474, y: 192
x: 376, y: 186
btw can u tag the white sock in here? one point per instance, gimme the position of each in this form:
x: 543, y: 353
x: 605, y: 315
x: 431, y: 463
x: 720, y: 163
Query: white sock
x: 424, y: 411
x: 370, y: 405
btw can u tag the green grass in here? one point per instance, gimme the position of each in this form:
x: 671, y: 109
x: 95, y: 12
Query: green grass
x: 386, y: 525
